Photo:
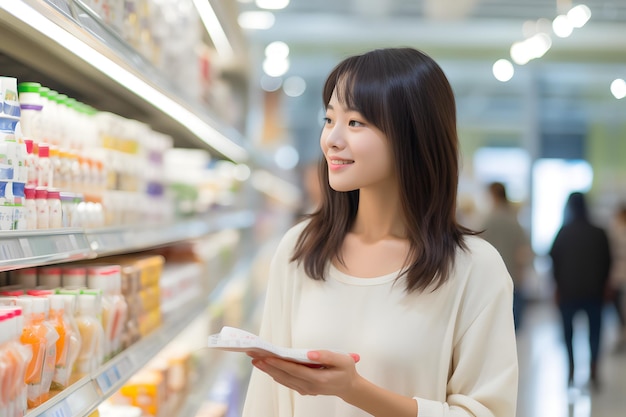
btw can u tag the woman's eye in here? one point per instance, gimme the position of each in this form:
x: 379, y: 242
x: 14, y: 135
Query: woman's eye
x: 326, y: 120
x: 354, y: 123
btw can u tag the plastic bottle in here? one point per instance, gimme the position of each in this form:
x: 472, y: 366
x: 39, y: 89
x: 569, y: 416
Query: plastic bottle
x: 30, y: 107
x: 42, y: 338
x: 68, y: 208
x: 25, y: 278
x: 91, y: 333
x: 43, y: 211
x: 30, y: 207
x: 49, y: 277
x: 55, y: 166
x: 55, y: 220
x: 73, y: 277
x: 44, y: 166
x: 30, y: 163
x: 19, y: 209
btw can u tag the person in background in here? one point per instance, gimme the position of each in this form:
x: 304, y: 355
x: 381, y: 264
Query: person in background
x: 581, y: 262
x: 503, y: 230
x: 617, y: 236
x: 407, y: 312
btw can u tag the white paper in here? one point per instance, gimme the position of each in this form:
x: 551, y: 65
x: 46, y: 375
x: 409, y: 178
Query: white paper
x: 237, y: 340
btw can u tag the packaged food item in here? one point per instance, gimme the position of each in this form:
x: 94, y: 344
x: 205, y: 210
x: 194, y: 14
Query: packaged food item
x: 14, y: 357
x: 66, y: 348
x: 91, y: 354
x: 108, y: 278
x: 42, y: 337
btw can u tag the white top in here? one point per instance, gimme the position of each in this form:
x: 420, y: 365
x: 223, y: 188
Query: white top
x: 453, y: 349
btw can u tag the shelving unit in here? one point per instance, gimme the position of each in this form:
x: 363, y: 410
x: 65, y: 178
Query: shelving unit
x: 64, y: 42
x: 35, y: 248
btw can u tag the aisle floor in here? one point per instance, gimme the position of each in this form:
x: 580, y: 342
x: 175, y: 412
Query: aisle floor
x: 543, y: 389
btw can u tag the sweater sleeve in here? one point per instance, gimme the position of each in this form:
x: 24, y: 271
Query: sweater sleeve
x: 265, y: 397
x: 483, y: 378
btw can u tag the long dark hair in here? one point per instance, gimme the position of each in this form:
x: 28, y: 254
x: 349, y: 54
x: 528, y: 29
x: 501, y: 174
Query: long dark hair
x: 405, y: 94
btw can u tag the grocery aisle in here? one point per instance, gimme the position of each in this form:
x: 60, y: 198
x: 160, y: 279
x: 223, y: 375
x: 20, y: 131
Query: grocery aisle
x: 543, y: 390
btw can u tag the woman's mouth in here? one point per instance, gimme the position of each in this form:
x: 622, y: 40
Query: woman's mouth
x: 335, y: 164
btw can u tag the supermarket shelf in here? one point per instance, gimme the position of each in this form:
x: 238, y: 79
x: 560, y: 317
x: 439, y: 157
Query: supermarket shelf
x: 21, y: 249
x: 64, y: 41
x: 85, y: 395
x: 125, y: 239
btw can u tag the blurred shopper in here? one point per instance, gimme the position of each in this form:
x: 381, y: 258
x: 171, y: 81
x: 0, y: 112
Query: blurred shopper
x: 617, y: 235
x: 581, y: 261
x: 503, y: 230
x: 413, y: 310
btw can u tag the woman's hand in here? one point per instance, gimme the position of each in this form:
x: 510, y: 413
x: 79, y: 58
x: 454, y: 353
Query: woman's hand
x: 336, y: 376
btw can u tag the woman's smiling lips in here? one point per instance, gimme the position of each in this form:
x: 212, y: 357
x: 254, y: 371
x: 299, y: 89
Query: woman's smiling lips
x: 335, y: 163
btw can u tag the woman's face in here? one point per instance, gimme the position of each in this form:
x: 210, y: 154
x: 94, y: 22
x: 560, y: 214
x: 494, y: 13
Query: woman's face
x: 358, y: 154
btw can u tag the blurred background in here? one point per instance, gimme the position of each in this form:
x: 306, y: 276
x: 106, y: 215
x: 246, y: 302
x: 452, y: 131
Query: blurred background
x: 235, y: 87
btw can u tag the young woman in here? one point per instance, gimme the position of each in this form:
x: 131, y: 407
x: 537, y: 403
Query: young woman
x: 411, y: 313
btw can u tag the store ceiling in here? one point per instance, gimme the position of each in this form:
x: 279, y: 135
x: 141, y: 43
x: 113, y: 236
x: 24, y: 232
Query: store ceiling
x: 571, y: 81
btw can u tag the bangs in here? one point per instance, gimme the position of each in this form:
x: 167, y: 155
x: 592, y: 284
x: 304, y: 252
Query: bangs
x: 358, y: 87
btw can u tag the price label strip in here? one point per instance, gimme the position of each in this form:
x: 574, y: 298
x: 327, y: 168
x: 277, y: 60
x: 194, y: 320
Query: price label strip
x: 61, y: 409
x: 114, y: 374
x: 10, y: 249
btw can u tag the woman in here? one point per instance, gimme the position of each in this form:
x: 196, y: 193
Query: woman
x: 413, y: 312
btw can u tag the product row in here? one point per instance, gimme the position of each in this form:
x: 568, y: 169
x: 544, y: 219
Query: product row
x: 62, y: 323
x: 65, y: 164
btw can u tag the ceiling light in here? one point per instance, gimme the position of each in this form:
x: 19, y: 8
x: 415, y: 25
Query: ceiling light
x: 579, y: 15
x: 294, y: 86
x: 272, y: 4
x: 214, y: 28
x: 561, y: 26
x: 277, y: 50
x: 275, y: 67
x: 519, y: 53
x: 618, y: 88
x: 270, y: 84
x: 256, y: 20
x: 503, y: 70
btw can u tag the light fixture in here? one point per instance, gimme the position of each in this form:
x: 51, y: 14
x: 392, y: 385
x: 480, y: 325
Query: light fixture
x: 561, y: 26
x: 503, y: 70
x: 134, y: 84
x: 256, y: 20
x: 579, y: 15
x: 214, y: 28
x: 618, y: 88
x: 272, y: 4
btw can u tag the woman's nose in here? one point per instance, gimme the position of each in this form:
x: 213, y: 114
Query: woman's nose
x: 334, y: 137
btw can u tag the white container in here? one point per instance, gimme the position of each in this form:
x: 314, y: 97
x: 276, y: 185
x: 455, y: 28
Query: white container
x: 31, y: 163
x: 6, y: 205
x: 74, y: 277
x: 19, y: 209
x: 10, y: 100
x: 30, y: 208
x: 55, y: 209
x: 30, y: 107
x: 49, y: 277
x: 43, y: 211
x: 44, y: 166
